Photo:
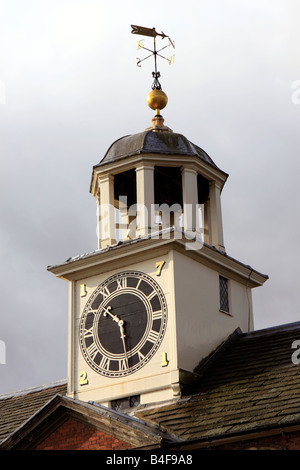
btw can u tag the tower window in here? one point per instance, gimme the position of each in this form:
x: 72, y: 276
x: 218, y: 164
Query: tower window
x: 224, y: 299
x: 125, y: 403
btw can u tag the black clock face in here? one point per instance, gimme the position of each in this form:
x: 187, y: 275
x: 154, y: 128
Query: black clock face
x: 123, y: 324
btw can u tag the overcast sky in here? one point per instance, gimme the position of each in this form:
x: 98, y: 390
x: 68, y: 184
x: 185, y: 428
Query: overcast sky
x: 69, y: 87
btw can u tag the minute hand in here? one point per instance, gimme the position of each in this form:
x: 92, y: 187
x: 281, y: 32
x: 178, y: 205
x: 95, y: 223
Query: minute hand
x: 121, y: 323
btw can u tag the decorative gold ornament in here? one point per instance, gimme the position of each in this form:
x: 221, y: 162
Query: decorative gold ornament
x: 157, y: 100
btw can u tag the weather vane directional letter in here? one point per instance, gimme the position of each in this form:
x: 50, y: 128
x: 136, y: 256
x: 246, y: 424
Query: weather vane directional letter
x: 152, y: 33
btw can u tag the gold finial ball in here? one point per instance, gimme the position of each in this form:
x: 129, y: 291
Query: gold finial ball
x: 157, y: 99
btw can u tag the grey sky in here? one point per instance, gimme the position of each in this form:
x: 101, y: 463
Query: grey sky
x: 70, y: 87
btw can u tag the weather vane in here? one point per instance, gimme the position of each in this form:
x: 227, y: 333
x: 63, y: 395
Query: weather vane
x: 156, y: 99
x: 152, y: 33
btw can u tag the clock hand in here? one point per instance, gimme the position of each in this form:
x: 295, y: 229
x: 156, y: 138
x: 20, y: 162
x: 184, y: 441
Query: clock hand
x: 107, y: 312
x: 121, y: 323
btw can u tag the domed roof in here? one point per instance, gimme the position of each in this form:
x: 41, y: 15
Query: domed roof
x: 149, y: 141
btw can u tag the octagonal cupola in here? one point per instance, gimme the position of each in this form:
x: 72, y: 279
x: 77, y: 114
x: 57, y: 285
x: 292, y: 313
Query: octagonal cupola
x: 155, y: 180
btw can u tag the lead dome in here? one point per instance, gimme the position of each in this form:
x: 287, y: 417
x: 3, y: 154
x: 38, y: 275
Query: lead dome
x: 152, y: 142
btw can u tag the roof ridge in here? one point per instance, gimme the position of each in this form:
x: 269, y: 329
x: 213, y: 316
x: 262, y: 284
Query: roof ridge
x: 151, y: 427
x: 271, y: 330
x: 36, y: 388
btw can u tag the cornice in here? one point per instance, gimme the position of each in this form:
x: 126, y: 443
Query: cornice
x: 120, y: 255
x: 207, y: 170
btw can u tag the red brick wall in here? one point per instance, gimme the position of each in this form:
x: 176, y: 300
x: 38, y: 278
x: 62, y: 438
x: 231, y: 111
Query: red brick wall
x: 73, y: 435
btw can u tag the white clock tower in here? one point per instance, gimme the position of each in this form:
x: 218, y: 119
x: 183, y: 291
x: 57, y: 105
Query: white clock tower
x: 159, y: 293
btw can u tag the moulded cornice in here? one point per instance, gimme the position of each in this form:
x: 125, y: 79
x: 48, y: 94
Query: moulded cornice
x: 210, y: 172
x: 116, y: 257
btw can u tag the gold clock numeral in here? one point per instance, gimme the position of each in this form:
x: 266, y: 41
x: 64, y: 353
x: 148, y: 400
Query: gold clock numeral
x: 83, y: 290
x: 83, y: 378
x: 164, y: 360
x: 159, y: 265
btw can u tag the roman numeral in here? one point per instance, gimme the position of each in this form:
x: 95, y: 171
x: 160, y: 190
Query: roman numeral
x: 88, y: 332
x: 123, y: 364
x: 92, y: 351
x: 157, y: 315
x: 104, y: 363
x: 105, y: 292
x: 140, y: 356
x: 153, y: 336
x: 150, y: 296
x: 122, y: 283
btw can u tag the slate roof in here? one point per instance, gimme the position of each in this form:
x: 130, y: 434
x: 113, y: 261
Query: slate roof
x: 17, y: 407
x: 250, y: 383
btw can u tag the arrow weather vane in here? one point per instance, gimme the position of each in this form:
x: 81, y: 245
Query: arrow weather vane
x: 152, y: 33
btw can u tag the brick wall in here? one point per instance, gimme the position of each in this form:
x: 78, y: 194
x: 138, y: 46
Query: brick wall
x: 73, y: 435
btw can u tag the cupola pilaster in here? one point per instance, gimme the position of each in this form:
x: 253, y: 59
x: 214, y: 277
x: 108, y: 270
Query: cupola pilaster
x: 213, y: 224
x: 190, y: 199
x: 106, y: 211
x: 145, y: 218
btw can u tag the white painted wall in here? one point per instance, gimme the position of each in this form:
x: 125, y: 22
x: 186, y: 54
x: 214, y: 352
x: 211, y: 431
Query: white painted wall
x: 200, y: 325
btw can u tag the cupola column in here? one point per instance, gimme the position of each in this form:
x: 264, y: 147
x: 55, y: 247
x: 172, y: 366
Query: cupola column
x: 145, y: 219
x: 190, y: 199
x: 213, y: 225
x: 106, y: 212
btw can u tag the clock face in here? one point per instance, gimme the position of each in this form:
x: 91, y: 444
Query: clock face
x: 123, y: 324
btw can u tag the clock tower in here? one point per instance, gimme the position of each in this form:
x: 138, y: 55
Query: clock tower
x: 159, y: 293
